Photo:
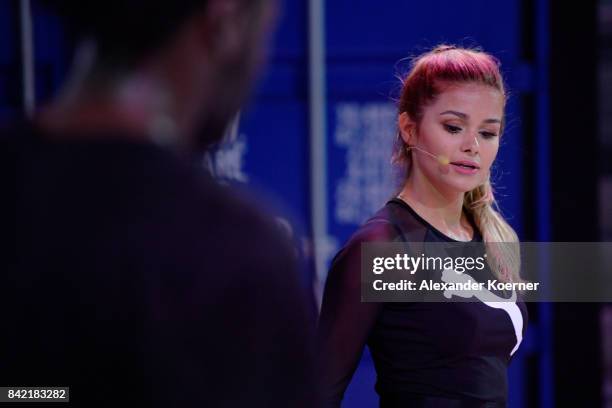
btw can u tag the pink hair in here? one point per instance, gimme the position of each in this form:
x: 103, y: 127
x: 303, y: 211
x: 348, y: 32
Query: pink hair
x: 443, y: 65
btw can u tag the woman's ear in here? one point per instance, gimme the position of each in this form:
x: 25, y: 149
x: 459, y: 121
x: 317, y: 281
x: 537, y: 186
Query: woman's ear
x: 407, y: 128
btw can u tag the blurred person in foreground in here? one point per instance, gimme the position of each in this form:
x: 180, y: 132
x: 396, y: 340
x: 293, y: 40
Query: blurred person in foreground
x: 136, y: 280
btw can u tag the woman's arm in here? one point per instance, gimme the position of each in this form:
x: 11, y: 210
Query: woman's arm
x: 345, y: 322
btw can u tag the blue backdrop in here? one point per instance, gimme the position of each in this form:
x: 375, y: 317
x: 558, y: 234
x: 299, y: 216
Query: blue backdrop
x: 367, y: 44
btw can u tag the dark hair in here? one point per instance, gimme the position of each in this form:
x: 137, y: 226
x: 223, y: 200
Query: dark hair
x: 125, y: 31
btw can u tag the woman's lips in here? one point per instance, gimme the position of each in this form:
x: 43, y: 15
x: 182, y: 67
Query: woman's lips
x: 465, y: 167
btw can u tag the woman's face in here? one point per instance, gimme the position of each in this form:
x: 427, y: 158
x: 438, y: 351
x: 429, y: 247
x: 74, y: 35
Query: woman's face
x: 462, y: 126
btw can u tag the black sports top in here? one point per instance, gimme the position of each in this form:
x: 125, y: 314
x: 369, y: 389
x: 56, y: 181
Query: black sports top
x: 442, y: 354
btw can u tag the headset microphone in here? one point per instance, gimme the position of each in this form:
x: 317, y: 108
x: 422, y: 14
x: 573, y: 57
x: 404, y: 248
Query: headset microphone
x: 442, y: 159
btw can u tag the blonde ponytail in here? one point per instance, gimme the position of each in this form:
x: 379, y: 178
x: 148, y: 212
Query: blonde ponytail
x: 503, y: 251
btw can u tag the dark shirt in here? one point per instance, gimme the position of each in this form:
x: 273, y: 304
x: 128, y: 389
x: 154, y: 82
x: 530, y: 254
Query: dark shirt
x: 136, y: 280
x: 426, y: 354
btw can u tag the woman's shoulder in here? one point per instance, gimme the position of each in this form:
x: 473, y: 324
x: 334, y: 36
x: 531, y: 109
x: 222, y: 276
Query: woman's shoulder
x: 380, y: 227
x: 391, y: 223
x: 395, y: 221
x: 347, y: 261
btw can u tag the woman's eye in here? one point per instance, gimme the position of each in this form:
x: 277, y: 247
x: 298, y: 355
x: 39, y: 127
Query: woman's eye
x: 488, y: 135
x: 452, y: 128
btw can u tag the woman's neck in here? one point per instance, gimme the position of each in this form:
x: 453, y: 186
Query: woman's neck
x: 442, y: 210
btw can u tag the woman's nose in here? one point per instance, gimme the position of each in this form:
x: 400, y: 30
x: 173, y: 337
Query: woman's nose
x: 471, y: 143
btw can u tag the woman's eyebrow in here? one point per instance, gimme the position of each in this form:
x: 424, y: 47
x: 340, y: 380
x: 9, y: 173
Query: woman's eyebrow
x: 459, y: 114
x: 492, y: 121
x: 465, y: 116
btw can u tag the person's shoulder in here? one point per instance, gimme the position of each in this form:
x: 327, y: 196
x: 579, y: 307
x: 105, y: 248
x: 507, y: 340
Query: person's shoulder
x: 382, y: 226
x: 234, y: 209
x: 378, y: 228
x: 12, y: 133
x: 235, y: 222
x: 13, y: 127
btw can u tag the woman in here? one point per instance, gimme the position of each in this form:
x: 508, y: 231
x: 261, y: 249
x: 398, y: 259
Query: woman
x: 454, y: 354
